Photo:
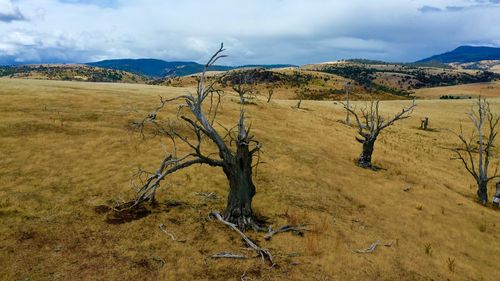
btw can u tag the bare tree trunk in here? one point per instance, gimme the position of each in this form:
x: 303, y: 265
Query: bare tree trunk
x: 241, y: 189
x: 365, y: 159
x: 482, y: 192
x: 424, y: 123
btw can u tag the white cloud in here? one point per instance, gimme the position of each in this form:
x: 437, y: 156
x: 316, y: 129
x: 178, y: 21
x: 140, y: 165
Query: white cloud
x: 259, y: 31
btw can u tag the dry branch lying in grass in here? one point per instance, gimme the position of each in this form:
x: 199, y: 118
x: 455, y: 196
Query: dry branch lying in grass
x: 262, y: 252
x: 164, y: 229
x: 226, y: 255
x: 297, y: 230
x: 372, y: 247
x: 208, y: 195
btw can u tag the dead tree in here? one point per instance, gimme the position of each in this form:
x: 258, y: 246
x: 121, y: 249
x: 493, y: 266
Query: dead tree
x: 347, y: 119
x: 424, y: 123
x: 475, y: 152
x: 243, y: 84
x: 369, y: 124
x: 270, y: 92
x: 300, y: 93
x: 235, y: 148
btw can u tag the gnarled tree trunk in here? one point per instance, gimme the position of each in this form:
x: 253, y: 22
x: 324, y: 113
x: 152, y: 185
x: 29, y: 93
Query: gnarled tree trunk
x: 365, y: 159
x: 482, y: 192
x: 241, y: 189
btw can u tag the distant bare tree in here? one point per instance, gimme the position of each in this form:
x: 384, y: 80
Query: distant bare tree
x: 347, y: 85
x: 475, y: 151
x: 235, y: 148
x: 243, y: 83
x: 300, y: 96
x: 270, y: 92
x: 370, y: 123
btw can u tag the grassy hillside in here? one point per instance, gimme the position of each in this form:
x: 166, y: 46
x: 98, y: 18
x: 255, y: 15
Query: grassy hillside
x: 288, y: 83
x: 70, y: 72
x: 68, y: 147
x: 487, y: 90
x: 402, y: 79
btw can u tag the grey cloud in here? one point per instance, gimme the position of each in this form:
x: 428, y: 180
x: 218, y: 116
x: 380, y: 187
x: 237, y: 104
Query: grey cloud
x: 259, y: 31
x: 14, y: 15
x: 429, y: 9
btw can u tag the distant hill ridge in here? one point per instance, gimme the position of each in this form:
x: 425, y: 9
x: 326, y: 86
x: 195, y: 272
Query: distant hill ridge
x: 466, y: 54
x: 159, y: 68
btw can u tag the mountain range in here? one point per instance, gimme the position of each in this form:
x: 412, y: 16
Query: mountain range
x: 466, y: 54
x: 155, y: 68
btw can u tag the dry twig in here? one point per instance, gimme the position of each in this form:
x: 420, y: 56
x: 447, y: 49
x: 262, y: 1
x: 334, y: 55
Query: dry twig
x: 372, y: 247
x: 226, y: 255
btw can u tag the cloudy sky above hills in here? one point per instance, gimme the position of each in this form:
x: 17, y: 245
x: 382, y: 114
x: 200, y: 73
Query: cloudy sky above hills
x: 257, y: 31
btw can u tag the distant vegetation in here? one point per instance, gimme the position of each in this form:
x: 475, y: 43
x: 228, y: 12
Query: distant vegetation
x: 364, y: 76
x: 409, y: 76
x: 70, y: 73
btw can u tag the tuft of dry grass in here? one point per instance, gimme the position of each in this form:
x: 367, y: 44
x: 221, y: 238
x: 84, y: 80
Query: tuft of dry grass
x: 68, y: 148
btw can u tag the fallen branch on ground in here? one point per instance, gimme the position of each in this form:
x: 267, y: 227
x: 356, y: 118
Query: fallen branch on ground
x: 226, y: 255
x: 372, y: 247
x: 208, y: 195
x: 297, y: 230
x: 164, y: 229
x: 262, y: 252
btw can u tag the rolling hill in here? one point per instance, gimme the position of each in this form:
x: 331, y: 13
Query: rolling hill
x: 69, y: 148
x: 70, y: 72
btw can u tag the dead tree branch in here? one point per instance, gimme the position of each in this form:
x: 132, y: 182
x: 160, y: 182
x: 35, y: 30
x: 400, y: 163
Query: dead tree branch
x: 297, y: 230
x: 263, y: 253
x: 226, y: 255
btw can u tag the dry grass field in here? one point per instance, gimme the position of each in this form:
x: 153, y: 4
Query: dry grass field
x: 69, y: 147
x: 487, y: 90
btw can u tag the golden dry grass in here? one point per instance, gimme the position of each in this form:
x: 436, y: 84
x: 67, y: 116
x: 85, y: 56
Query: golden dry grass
x: 487, y: 90
x: 68, y: 147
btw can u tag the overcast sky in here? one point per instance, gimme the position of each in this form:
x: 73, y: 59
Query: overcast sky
x: 254, y: 31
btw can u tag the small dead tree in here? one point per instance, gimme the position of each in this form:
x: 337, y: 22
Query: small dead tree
x: 347, y: 119
x: 300, y: 93
x: 369, y: 124
x: 424, y: 123
x: 270, y: 92
x: 235, y: 148
x: 243, y: 83
x: 475, y: 152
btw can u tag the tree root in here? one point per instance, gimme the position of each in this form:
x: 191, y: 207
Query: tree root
x: 262, y: 252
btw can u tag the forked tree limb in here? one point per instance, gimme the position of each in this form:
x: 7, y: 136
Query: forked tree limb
x: 262, y: 252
